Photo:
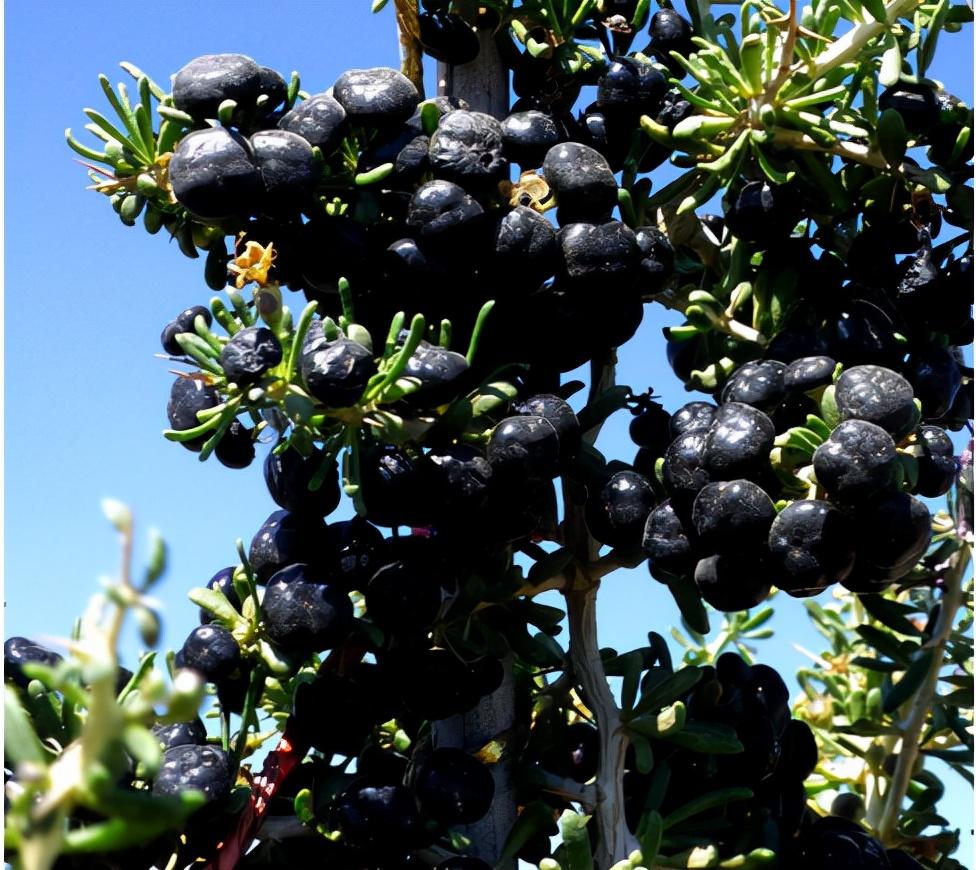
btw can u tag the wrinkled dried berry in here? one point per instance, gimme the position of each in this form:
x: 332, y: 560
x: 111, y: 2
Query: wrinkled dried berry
x: 466, y: 148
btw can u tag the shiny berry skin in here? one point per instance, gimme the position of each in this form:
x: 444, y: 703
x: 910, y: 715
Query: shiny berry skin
x: 249, y: 354
x: 525, y: 249
x: 336, y: 372
x: 192, y: 733
x: 444, y: 215
x: 287, y: 170
x: 394, y: 487
x: 301, y: 614
x: 916, y: 103
x: 857, y: 461
x: 656, y: 259
x: 214, y: 176
x: 631, y: 87
x: 760, y: 384
x: 528, y: 136
x: 223, y: 580
x: 616, y: 515
x: 562, y: 417
x: 183, y: 323
x: 732, y: 517
x: 211, y: 650
x: 454, y: 787
x: 599, y: 254
x: 288, y: 476
x: 440, y: 373
x: 448, y: 37
x: 203, y: 768
x: 235, y: 449
x: 460, y: 476
x: 284, y: 539
x: 18, y: 651
x: 684, y: 471
x: 732, y: 583
x: 582, y: 181
x: 353, y: 548
x: 187, y: 397
x: 319, y: 120
x: 525, y: 446
x: 812, y: 545
x: 670, y: 32
x: 466, y: 148
x: 935, y: 378
x: 878, y: 395
x: 669, y: 547
x: 893, y: 531
x: 376, y: 97
x: 692, y: 416
x: 937, y: 466
x: 382, y: 818
x: 738, y: 442
x: 761, y: 213
x: 205, y: 82
x: 809, y: 373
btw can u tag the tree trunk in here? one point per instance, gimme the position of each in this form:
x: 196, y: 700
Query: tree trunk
x: 483, y: 85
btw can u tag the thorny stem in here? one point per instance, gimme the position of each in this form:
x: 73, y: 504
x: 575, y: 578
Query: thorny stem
x: 921, y: 703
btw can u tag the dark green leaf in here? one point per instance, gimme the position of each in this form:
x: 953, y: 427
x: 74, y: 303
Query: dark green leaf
x: 650, y: 832
x: 910, y: 681
x: 709, y: 738
x: 892, y: 137
x: 669, y: 690
x: 552, y: 564
x: 689, y: 602
x: 534, y: 819
x: 866, y: 728
x: 603, y: 406
x: 706, y: 802
x: 885, y: 644
x: 892, y: 613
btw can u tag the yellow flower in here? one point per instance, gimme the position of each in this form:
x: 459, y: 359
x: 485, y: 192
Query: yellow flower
x: 253, y: 264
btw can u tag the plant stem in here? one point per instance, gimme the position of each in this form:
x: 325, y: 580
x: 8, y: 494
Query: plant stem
x: 921, y: 703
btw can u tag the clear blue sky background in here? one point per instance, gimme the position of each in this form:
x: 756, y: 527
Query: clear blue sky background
x: 86, y: 299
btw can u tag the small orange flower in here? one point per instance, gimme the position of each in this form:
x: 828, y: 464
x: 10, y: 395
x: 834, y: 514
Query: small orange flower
x: 253, y: 264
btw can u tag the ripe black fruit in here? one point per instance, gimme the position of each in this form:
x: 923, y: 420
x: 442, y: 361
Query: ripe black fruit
x: 670, y: 32
x: 528, y: 136
x: 249, y: 354
x: 809, y: 373
x: 440, y: 373
x: 211, y: 650
x: 812, y: 545
x: 336, y: 372
x: 738, y: 442
x: 582, y: 181
x: 320, y: 120
x: 838, y: 843
x: 187, y: 397
x: 376, y: 97
x: 203, y: 768
x: 631, y: 87
x: 760, y: 384
x: 460, y: 476
x: 19, y: 651
x: 303, y: 615
x: 893, y: 531
x: 878, y: 395
x: 937, y: 466
x: 856, y: 461
x: 666, y: 542
x: 935, y: 378
x: 183, y: 323
x: 192, y: 733
x: 383, y: 818
x: 656, y: 259
x: 235, y: 449
x: 288, y: 476
x: 684, y: 472
x: 604, y: 255
x: 915, y: 102
x: 287, y: 170
x: 732, y: 583
x: 213, y: 174
x: 761, y: 213
x: 205, y: 82
x: 284, y: 539
x: 403, y: 595
x: 394, y: 487
x: 445, y: 216
x: 466, y: 148
x: 353, y: 547
x: 732, y: 517
x: 447, y: 37
x: 526, y: 446
x: 224, y: 581
x: 616, y: 515
x: 454, y: 788
x: 692, y: 416
x: 525, y: 249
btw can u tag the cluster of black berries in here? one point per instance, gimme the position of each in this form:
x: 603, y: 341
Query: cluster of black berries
x: 720, y: 522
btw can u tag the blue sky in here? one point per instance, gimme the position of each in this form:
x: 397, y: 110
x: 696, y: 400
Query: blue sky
x: 86, y: 299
